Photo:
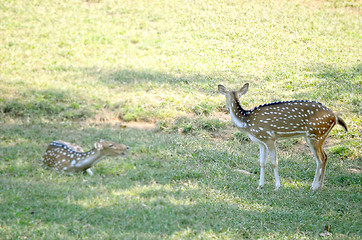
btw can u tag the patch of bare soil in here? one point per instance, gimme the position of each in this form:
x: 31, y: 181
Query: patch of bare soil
x: 223, y: 135
x: 355, y: 170
x: 138, y: 125
x: 298, y: 148
x: 108, y: 119
x: 222, y: 116
x: 242, y: 171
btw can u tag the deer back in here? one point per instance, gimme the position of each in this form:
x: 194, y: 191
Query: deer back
x: 285, y: 119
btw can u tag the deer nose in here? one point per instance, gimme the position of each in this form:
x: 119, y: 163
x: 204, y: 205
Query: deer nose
x: 127, y: 147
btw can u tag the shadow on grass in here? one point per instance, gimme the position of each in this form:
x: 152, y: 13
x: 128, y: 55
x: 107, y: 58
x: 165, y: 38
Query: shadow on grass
x: 53, y: 103
x: 67, y: 210
x: 77, y: 104
x: 224, y: 202
x: 194, y: 82
x: 169, y: 185
x: 46, y: 103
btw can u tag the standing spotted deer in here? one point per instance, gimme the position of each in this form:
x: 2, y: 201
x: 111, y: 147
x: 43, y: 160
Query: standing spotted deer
x: 267, y: 123
x: 67, y: 157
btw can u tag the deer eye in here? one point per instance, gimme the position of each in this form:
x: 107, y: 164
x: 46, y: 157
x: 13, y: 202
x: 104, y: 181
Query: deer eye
x: 110, y: 145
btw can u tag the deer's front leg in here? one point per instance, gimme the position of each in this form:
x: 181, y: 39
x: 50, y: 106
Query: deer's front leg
x: 89, y: 171
x: 263, y: 158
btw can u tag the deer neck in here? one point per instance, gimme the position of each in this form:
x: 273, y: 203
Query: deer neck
x: 89, y: 159
x: 238, y: 114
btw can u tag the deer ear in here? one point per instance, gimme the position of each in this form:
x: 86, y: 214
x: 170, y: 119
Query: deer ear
x: 243, y: 90
x: 98, y: 145
x: 222, y: 89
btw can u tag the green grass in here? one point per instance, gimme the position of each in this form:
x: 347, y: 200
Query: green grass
x: 71, y: 70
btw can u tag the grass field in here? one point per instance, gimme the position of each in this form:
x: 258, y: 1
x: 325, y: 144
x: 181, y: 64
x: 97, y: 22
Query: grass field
x: 145, y: 74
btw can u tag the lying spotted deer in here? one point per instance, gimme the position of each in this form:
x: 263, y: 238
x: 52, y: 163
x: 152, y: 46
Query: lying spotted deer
x: 267, y: 123
x: 67, y: 157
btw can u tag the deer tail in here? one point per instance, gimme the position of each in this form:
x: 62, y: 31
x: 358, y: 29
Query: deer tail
x: 341, y: 122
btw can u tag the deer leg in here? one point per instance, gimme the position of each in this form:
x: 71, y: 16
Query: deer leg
x: 324, y: 165
x: 316, y: 182
x: 274, y: 161
x: 263, y: 158
x: 321, y: 160
x: 89, y: 171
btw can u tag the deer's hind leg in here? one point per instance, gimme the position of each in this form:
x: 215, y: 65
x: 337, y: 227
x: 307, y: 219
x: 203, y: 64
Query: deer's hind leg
x: 321, y: 160
x: 324, y: 165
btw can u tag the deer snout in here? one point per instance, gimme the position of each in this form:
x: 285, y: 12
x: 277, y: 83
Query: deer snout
x: 124, y: 152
